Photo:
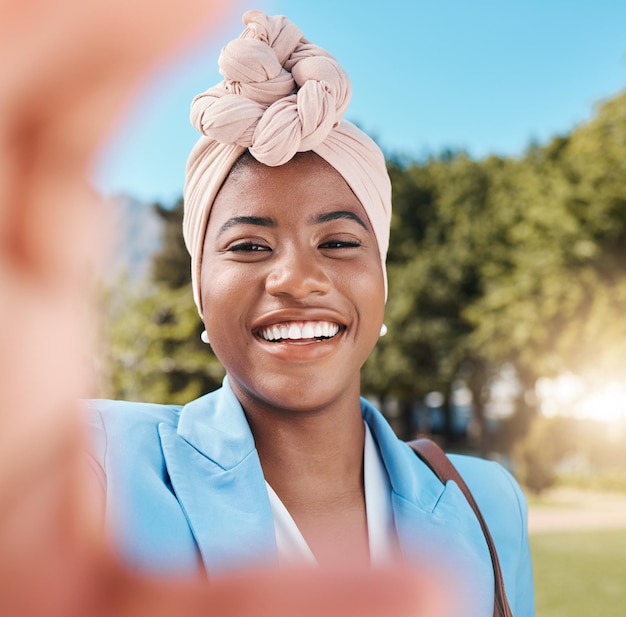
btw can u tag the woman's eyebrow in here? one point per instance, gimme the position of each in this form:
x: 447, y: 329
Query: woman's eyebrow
x: 326, y: 217
x: 261, y: 221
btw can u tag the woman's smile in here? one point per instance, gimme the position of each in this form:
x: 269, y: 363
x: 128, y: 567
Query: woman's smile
x: 299, y: 332
x: 300, y: 342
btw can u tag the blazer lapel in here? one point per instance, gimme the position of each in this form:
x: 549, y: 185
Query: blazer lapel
x: 217, y: 477
x: 437, y: 529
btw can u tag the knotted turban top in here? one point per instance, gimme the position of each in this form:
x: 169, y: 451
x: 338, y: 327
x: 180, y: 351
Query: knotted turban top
x: 280, y: 95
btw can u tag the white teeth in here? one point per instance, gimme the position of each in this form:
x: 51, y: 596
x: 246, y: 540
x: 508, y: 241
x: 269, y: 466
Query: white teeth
x: 295, y: 332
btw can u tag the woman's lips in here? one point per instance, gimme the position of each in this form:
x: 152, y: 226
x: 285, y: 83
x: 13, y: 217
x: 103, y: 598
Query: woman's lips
x: 299, y: 331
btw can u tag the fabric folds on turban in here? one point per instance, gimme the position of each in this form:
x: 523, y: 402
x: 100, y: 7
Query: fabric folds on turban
x: 280, y: 95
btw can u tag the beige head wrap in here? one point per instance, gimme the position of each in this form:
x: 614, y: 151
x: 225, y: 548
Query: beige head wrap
x: 280, y: 95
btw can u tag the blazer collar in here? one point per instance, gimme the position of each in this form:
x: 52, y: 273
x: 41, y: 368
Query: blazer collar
x: 436, y: 527
x: 420, y: 487
x: 216, y: 426
x: 217, y: 477
x: 216, y: 474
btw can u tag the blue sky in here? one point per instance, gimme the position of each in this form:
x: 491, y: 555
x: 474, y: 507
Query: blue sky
x: 483, y: 75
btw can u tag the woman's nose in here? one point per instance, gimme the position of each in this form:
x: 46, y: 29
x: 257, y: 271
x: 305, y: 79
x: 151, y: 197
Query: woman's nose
x: 297, y: 274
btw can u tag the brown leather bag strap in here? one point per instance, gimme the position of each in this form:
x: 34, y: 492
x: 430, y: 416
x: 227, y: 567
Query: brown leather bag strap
x: 443, y: 468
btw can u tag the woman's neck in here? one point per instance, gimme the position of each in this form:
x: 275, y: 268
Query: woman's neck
x: 314, y: 462
x: 325, y: 445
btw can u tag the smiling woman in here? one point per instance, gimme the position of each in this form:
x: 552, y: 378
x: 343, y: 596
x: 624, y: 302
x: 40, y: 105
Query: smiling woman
x: 287, y: 216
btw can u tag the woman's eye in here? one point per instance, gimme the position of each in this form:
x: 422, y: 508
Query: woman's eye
x: 340, y: 244
x: 248, y: 247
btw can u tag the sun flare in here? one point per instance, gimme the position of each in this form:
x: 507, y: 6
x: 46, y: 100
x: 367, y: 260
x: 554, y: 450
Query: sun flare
x: 570, y: 395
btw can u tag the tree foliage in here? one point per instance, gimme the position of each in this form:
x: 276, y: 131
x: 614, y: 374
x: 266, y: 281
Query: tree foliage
x: 537, y: 454
x: 171, y: 266
x: 152, y: 346
x: 555, y: 275
x: 152, y: 341
x: 516, y: 261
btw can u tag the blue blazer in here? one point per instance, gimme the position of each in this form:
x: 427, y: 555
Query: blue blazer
x: 185, y: 491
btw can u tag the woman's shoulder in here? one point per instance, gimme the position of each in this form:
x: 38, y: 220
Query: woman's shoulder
x: 503, y: 505
x: 115, y: 415
x: 492, y: 485
x: 110, y: 410
x: 116, y: 427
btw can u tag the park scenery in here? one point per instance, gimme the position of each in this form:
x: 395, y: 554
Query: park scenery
x: 506, y: 336
x: 578, y: 543
x: 505, y: 323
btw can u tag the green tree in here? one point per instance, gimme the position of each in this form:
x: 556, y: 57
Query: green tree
x: 172, y: 264
x: 508, y: 261
x: 517, y: 261
x: 152, y: 346
x: 555, y: 275
x: 152, y: 329
x: 547, y: 443
x: 433, y: 270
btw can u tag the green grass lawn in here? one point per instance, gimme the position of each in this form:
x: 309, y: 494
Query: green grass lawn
x: 580, y: 574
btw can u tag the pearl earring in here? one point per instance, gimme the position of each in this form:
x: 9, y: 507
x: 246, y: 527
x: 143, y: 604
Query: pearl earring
x: 204, y: 337
x: 383, y: 330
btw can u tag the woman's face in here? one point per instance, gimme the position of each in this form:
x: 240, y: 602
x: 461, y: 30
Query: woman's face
x: 292, y: 284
